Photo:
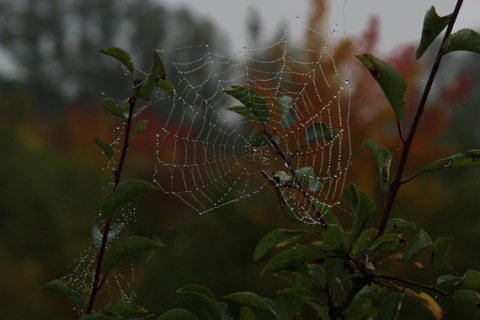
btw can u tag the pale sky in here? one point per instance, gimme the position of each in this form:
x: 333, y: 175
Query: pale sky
x: 400, y: 21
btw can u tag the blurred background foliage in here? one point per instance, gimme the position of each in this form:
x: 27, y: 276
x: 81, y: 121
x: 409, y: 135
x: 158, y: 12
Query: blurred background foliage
x: 53, y: 177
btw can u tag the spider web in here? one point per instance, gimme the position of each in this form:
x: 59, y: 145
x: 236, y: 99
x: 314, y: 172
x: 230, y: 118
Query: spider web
x: 208, y: 156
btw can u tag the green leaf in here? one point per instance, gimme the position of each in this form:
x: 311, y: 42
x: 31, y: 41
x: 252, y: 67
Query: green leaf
x: 472, y: 279
x: 463, y: 40
x: 255, y: 106
x: 334, y: 235
x: 305, y: 175
x: 439, y: 251
x: 107, y: 148
x: 288, y: 113
x: 126, y: 249
x: 177, y: 314
x: 204, y: 297
x: 366, y: 238
x: 318, y: 275
x: 68, y: 290
x: 99, y: 316
x: 257, y: 139
x: 362, y: 207
x: 449, y: 279
x: 388, y: 242
x: 324, y: 211
x: 393, y: 85
x: 123, y: 193
x: 322, y: 311
x: 140, y: 127
x: 384, y: 160
x: 272, y: 239
x: 398, y: 224
x: 292, y: 258
x: 246, y: 314
x: 121, y: 56
x: 468, y: 296
x: 125, y: 309
x: 166, y: 85
x: 157, y: 72
x: 252, y: 300
x: 111, y: 107
x: 318, y: 131
x: 390, y: 307
x: 470, y: 158
x: 97, y: 233
x: 419, y: 242
x: 432, y: 26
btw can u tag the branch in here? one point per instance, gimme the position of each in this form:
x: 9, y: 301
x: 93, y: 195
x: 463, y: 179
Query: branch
x: 421, y: 107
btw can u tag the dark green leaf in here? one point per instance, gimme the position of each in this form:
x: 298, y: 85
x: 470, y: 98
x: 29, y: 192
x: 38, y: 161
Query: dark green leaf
x: 387, y: 242
x: 251, y: 300
x: 246, y: 314
x: 68, y: 290
x: 204, y: 297
x: 432, y: 26
x: 99, y: 316
x: 449, y: 279
x: 463, y: 40
x: 334, y: 235
x: 111, y: 107
x: 419, y: 242
x: 141, y: 127
x: 254, y: 103
x: 391, y: 82
x: 123, y: 193
x: 157, y: 72
x: 362, y: 207
x: 106, y: 148
x: 305, y: 175
x: 257, y: 139
x: 97, y: 233
x: 318, y: 131
x: 292, y: 258
x: 384, y: 160
x: 397, y: 224
x: 318, y: 275
x: 125, y: 309
x: 165, y: 85
x: 177, y: 314
x: 390, y: 307
x: 288, y: 113
x: 272, y: 239
x: 470, y: 158
x: 323, y: 210
x: 121, y: 56
x: 439, y: 251
x: 472, y: 279
x: 126, y: 249
x: 468, y: 296
x: 322, y: 311
x: 366, y: 238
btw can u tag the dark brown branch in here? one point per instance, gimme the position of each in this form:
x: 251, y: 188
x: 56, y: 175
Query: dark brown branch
x: 394, y: 188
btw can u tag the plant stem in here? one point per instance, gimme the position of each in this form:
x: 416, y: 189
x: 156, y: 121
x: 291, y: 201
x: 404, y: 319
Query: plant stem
x: 97, y: 285
x: 407, y: 144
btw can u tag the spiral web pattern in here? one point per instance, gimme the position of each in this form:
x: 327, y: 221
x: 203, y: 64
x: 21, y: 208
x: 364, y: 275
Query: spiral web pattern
x: 205, y: 154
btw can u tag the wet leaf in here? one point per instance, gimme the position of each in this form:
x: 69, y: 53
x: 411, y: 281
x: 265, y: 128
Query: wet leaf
x: 97, y: 233
x: 463, y: 40
x: 252, y: 300
x: 393, y: 85
x: 69, y: 290
x: 318, y: 131
x: 419, y: 242
x: 123, y: 193
x: 288, y: 113
x: 470, y: 158
x: 366, y: 238
x: 384, y: 160
x: 177, y: 314
x: 166, y: 85
x: 125, y: 309
x: 273, y: 238
x: 390, y: 307
x: 157, y: 72
x: 254, y: 105
x: 107, y: 148
x: 126, y: 249
x: 121, y: 56
x: 432, y: 26
x: 428, y: 302
x: 111, y: 107
x: 439, y: 251
x: 293, y: 258
x: 204, y: 297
